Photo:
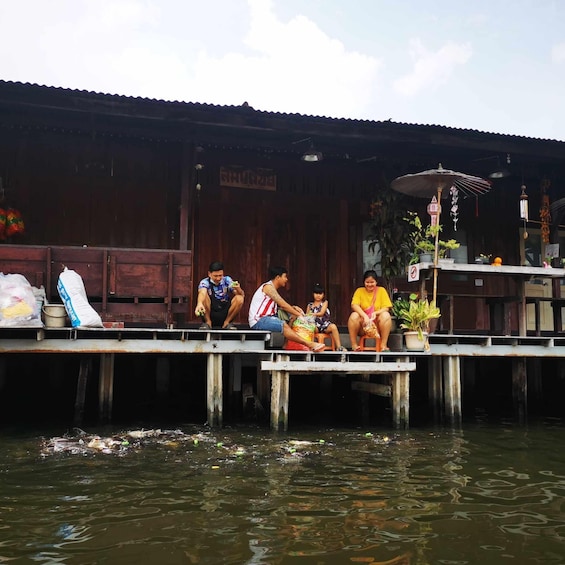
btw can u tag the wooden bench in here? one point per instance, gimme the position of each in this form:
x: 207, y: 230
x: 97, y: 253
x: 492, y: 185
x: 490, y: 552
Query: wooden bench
x: 138, y: 286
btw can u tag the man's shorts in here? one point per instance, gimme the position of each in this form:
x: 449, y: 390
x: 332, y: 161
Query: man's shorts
x: 219, y: 313
x: 269, y: 323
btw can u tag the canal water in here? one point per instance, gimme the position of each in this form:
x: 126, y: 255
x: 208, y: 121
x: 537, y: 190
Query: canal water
x: 489, y: 493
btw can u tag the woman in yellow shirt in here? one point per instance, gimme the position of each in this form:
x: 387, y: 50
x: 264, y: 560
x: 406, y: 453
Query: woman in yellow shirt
x: 370, y: 303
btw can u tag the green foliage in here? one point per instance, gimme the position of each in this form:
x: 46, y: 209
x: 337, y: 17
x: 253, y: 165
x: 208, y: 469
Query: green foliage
x: 390, y: 232
x: 398, y: 306
x: 422, y: 239
x: 418, y: 315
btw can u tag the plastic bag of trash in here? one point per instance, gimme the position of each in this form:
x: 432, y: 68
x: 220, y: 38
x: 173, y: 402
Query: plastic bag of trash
x: 18, y: 306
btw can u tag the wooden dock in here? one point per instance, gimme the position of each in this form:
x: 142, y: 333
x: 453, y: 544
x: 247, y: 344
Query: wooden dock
x: 383, y: 374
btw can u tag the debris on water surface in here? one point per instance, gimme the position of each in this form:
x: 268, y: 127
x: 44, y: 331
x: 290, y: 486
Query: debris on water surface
x: 83, y: 443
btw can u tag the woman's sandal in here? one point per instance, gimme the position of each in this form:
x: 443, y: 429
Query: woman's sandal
x: 356, y: 348
x: 384, y: 349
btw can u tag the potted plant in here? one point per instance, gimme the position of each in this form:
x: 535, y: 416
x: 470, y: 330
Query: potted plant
x: 483, y: 259
x: 416, y: 322
x: 398, y: 306
x: 423, y: 240
x: 395, y: 338
x: 420, y: 239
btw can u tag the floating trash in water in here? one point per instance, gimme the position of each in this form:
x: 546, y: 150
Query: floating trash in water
x: 83, y: 443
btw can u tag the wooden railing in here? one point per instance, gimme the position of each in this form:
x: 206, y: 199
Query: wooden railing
x: 137, y: 286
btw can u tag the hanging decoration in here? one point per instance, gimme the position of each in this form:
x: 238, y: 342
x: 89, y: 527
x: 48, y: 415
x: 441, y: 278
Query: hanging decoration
x: 14, y: 222
x: 524, y: 209
x: 544, y: 213
x: 454, y: 210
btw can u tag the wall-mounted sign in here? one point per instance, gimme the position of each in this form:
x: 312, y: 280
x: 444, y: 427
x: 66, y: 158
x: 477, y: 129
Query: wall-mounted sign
x: 413, y: 273
x: 240, y: 177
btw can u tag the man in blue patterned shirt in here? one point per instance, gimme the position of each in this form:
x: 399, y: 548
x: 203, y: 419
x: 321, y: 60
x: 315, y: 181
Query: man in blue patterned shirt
x: 219, y: 299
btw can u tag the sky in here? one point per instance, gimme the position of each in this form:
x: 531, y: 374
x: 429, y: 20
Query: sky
x: 491, y: 65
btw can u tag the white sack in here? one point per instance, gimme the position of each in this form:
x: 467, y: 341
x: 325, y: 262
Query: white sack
x: 73, y: 294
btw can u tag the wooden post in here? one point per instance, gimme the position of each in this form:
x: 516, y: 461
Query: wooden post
x: 435, y: 387
x: 520, y: 388
x: 214, y: 391
x: 83, y: 374
x: 535, y: 382
x: 452, y: 388
x: 401, y: 397
x: 106, y: 387
x: 280, y: 387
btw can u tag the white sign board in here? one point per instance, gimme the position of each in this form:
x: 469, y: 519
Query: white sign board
x: 413, y: 273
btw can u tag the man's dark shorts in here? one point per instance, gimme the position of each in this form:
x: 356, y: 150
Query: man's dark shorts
x: 219, y: 313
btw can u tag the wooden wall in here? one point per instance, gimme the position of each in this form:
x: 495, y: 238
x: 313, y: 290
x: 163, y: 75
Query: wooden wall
x: 95, y: 190
x: 92, y: 190
x: 250, y: 230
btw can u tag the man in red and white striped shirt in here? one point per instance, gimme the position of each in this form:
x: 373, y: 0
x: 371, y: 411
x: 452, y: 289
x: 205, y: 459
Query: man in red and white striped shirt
x: 265, y: 305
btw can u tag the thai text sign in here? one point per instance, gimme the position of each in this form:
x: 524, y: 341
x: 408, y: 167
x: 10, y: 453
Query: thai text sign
x: 240, y: 177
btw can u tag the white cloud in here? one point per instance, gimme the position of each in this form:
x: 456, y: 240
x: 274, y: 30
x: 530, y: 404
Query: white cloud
x: 558, y: 53
x: 291, y: 67
x: 432, y: 69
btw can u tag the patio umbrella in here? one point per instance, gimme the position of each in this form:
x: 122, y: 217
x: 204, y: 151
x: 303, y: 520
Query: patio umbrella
x: 432, y: 183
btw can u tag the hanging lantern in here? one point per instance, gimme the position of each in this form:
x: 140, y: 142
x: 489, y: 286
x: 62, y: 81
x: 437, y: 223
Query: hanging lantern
x: 433, y: 210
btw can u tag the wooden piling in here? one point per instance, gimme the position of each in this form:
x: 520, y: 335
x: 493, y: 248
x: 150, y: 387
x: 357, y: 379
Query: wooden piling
x: 401, y: 397
x: 106, y: 388
x: 452, y: 389
x: 214, y: 393
x: 280, y: 389
x: 520, y: 388
x: 84, y: 372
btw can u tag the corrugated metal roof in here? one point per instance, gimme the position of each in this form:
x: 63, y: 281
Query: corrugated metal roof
x: 246, y: 106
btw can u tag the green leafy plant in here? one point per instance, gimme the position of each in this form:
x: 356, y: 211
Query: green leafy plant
x: 418, y: 315
x: 482, y: 258
x: 389, y: 233
x: 398, y: 306
x: 423, y: 238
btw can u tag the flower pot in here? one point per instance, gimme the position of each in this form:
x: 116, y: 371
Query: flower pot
x: 413, y: 342
x: 426, y: 258
x: 395, y: 342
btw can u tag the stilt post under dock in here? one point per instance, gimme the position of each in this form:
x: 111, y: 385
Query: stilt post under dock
x: 83, y: 374
x: 401, y: 397
x: 214, y: 392
x: 435, y: 387
x: 452, y: 389
x: 106, y: 387
x: 520, y: 388
x: 280, y: 388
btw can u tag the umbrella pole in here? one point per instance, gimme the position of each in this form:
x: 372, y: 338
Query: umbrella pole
x: 436, y: 246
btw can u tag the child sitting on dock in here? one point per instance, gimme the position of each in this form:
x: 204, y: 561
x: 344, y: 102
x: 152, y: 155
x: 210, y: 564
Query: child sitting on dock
x: 319, y: 309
